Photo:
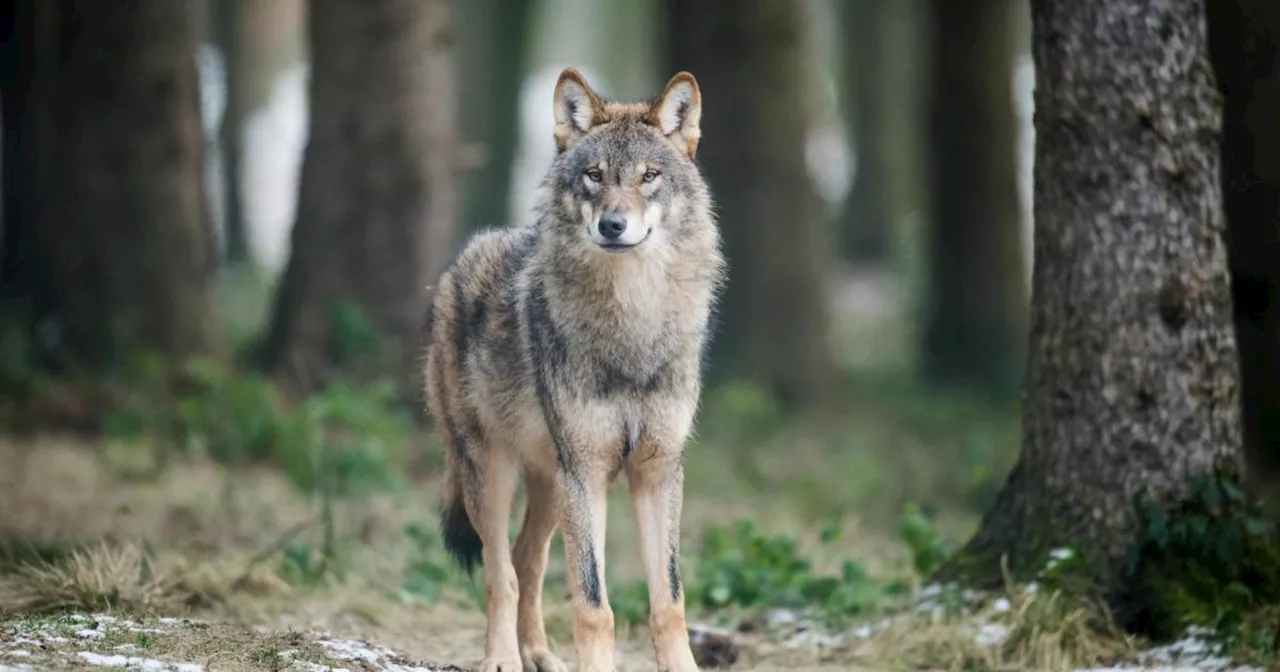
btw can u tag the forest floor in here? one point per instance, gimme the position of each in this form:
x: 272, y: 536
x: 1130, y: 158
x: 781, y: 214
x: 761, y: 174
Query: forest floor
x: 201, y: 567
x: 804, y: 541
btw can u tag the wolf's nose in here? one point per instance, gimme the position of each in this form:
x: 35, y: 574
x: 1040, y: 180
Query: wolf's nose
x: 612, y: 225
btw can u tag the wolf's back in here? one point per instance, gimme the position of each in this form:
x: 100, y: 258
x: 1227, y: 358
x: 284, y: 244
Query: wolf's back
x: 473, y: 308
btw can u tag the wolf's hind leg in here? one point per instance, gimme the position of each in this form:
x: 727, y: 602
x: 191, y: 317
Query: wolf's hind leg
x: 489, y: 507
x: 530, y: 557
x: 657, y: 494
x: 583, y: 506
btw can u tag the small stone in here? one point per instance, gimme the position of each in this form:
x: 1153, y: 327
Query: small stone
x: 712, y: 649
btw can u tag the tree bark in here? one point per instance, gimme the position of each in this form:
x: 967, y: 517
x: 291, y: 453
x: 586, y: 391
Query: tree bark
x: 750, y: 65
x: 1132, y: 378
x: 19, y: 114
x: 872, y: 71
x: 1243, y: 35
x: 494, y: 39
x: 377, y: 201
x: 121, y: 220
x: 976, y: 306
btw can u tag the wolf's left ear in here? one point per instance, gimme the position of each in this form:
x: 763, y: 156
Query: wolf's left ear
x: 677, y: 112
x: 577, y: 107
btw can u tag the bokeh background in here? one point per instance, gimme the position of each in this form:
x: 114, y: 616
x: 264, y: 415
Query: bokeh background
x: 223, y: 219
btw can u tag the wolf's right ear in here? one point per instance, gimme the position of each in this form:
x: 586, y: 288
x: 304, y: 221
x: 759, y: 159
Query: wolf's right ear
x: 577, y: 107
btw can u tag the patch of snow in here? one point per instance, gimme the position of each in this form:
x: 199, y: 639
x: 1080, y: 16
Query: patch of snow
x: 17, y: 653
x: 990, y: 634
x: 347, y: 649
x: 85, y: 633
x: 134, y: 662
x: 16, y: 668
x: 1001, y: 605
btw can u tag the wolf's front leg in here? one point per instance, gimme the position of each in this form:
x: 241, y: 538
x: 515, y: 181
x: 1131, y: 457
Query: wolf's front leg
x: 657, y: 494
x: 582, y: 522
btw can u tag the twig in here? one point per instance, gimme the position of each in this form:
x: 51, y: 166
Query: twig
x: 275, y: 547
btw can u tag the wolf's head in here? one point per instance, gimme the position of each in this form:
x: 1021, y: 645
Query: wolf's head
x: 623, y: 176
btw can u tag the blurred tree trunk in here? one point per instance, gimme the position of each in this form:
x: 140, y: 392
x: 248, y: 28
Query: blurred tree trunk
x: 493, y: 39
x: 232, y: 20
x: 120, y: 218
x: 750, y: 64
x: 1132, y: 371
x: 874, y: 121
x: 1243, y: 38
x: 377, y: 201
x: 976, y: 302
x: 19, y: 114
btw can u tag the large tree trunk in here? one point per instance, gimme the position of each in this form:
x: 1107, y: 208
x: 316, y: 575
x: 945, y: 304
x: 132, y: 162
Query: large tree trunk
x: 873, y: 76
x: 750, y: 64
x: 494, y: 37
x: 121, y: 221
x: 1132, y: 380
x: 19, y: 163
x: 975, y: 324
x: 1243, y: 37
x: 377, y: 202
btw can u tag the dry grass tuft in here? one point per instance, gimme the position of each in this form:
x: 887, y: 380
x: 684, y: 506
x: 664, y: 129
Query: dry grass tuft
x: 102, y: 577
x: 1037, y: 630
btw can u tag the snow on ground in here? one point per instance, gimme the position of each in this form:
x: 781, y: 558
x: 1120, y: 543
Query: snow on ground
x: 102, y: 640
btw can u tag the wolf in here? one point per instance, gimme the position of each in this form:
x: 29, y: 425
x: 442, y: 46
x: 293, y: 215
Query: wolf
x: 567, y: 351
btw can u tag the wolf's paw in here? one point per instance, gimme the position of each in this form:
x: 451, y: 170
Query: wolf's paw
x: 501, y: 665
x: 542, y: 660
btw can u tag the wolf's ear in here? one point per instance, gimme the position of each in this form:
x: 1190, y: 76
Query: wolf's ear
x: 677, y: 112
x: 578, y: 108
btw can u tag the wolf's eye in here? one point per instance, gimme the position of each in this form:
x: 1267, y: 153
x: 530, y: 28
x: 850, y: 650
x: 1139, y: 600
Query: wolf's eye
x: 595, y: 175
x: 651, y: 175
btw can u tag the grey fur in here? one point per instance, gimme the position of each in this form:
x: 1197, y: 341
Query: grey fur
x: 548, y: 355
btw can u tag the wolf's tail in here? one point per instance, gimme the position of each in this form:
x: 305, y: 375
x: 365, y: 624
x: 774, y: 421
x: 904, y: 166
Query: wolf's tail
x: 460, y: 537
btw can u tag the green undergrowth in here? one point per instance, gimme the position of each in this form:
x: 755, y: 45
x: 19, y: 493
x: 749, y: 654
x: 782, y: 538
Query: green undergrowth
x: 1213, y: 560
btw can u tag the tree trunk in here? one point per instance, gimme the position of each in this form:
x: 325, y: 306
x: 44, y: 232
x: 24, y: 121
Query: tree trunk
x: 19, y: 113
x: 377, y: 202
x: 1243, y: 35
x: 975, y: 324
x: 122, y: 223
x: 1132, y: 375
x: 871, y: 74
x: 492, y: 46
x: 750, y: 65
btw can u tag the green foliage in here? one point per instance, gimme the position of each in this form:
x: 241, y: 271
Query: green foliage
x: 1211, y: 560
x: 928, y: 551
x: 353, y: 338
x: 741, y: 567
x: 427, y: 575
x: 340, y: 442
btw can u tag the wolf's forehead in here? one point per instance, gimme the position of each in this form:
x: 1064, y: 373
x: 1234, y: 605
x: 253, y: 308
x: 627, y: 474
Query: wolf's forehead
x: 624, y: 142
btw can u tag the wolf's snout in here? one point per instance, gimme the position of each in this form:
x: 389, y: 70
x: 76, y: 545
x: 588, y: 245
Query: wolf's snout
x: 612, y: 225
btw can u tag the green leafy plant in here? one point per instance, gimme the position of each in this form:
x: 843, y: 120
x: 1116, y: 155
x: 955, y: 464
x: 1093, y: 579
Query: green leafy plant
x: 928, y: 551
x: 740, y: 566
x: 1212, y: 559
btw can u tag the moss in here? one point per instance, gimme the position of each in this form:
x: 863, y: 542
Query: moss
x: 1211, y: 560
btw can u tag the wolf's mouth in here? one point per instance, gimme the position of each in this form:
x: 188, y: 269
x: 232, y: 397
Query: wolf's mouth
x: 619, y: 248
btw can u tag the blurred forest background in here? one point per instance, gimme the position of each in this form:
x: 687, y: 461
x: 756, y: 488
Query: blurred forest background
x: 222, y: 220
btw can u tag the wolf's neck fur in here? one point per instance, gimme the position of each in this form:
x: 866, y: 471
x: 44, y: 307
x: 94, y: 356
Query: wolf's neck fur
x: 639, y: 307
